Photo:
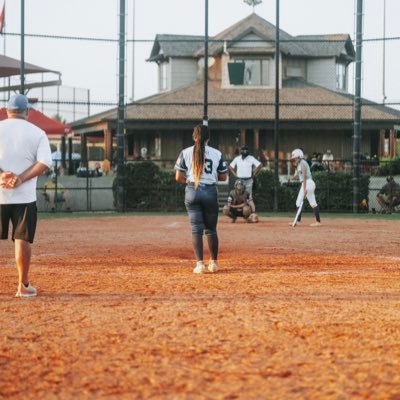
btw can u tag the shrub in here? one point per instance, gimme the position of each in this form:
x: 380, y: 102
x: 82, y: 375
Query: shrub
x: 388, y: 166
x: 147, y: 187
x: 334, y: 191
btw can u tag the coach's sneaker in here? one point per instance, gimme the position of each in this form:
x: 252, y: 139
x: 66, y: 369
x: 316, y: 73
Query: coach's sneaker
x: 213, y: 266
x: 199, y: 268
x: 26, y: 291
x: 316, y: 223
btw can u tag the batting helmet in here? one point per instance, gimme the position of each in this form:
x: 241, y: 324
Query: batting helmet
x: 297, y: 153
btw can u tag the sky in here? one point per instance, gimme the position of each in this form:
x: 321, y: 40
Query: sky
x: 91, y: 66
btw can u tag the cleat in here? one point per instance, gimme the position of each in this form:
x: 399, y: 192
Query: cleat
x: 297, y: 223
x: 316, y: 224
x: 213, y: 266
x: 24, y: 291
x: 199, y: 268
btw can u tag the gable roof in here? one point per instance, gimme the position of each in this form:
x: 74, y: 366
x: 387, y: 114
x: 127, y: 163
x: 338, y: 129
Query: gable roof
x: 334, y: 45
x: 175, y: 46
x: 253, y: 24
x: 327, y: 45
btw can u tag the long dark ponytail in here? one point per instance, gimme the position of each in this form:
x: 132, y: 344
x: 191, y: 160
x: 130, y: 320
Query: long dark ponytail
x: 201, y: 134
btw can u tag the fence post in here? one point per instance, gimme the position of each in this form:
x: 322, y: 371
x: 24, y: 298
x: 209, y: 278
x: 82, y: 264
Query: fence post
x: 357, y: 110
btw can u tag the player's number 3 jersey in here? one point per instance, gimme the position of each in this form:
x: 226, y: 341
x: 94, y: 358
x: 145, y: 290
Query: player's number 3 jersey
x: 214, y: 164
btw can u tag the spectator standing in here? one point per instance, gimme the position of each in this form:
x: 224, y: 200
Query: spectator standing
x: 106, y: 166
x: 327, y: 160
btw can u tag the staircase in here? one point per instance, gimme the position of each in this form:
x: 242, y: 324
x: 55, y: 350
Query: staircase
x: 223, y: 191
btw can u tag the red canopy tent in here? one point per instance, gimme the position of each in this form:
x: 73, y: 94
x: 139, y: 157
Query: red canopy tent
x: 51, y: 126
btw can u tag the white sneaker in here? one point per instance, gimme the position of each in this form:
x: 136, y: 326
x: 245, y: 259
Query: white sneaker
x: 297, y: 223
x: 199, y: 268
x: 316, y: 224
x: 213, y: 266
x: 24, y: 291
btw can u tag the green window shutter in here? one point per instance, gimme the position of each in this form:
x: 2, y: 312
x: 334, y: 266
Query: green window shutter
x: 236, y: 73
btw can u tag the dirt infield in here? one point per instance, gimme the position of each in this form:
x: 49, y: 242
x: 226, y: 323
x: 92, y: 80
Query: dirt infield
x: 303, y: 313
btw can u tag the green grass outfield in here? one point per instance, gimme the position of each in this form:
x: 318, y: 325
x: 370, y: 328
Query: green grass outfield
x: 98, y: 214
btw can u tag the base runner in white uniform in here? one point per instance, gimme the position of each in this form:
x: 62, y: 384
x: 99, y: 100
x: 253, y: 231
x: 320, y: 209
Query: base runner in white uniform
x: 307, y: 188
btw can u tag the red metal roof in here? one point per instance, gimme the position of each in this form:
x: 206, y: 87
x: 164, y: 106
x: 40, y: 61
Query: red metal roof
x: 49, y: 125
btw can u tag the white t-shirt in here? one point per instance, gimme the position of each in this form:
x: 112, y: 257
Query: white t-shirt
x: 22, y: 144
x: 244, y: 166
x: 214, y: 165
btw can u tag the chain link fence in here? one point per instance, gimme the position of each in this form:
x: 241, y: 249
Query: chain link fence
x: 316, y: 113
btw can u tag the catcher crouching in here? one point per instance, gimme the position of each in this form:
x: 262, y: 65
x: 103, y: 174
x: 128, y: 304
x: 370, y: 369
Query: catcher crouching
x: 238, y: 204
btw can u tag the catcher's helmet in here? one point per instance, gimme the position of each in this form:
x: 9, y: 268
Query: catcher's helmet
x: 297, y: 153
x: 240, y: 186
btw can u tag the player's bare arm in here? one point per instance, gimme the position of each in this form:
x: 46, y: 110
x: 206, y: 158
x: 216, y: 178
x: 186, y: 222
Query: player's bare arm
x: 180, y: 177
x: 237, y: 205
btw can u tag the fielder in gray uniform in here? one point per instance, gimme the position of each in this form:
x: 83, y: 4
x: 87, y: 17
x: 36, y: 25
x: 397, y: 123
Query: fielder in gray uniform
x: 200, y: 167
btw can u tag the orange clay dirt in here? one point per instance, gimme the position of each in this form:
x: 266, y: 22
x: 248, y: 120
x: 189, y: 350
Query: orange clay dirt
x: 293, y: 313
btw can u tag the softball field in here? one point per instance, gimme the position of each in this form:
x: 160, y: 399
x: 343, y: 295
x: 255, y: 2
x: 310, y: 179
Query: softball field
x: 293, y: 313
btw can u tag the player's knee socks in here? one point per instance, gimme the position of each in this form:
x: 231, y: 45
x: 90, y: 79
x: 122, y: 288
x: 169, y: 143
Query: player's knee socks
x: 299, y: 219
x: 197, y: 241
x: 212, y: 241
x: 316, y: 212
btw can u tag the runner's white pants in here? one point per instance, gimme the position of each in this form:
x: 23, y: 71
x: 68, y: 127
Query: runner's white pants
x: 310, y: 186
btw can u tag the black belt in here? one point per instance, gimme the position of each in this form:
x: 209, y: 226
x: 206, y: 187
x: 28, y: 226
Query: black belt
x: 201, y: 184
x: 245, y: 179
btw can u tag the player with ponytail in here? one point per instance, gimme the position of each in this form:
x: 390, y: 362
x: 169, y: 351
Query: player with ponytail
x: 201, y: 134
x: 200, y: 167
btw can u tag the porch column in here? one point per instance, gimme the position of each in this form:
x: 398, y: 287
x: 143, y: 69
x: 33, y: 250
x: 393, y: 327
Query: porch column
x: 108, y: 144
x: 382, y: 143
x: 392, y: 144
x: 71, y: 169
x: 256, y: 140
x: 63, y: 151
x: 242, y: 137
x: 84, y: 155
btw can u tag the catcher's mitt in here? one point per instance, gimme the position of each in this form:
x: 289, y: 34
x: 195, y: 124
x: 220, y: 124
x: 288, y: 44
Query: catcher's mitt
x: 253, y: 218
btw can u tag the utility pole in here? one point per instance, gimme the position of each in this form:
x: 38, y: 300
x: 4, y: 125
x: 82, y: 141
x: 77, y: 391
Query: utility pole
x: 121, y: 111
x: 133, y: 48
x: 22, y: 68
x: 276, y: 124
x: 205, y: 102
x: 384, y: 55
